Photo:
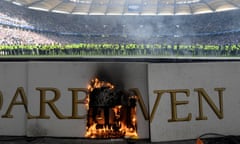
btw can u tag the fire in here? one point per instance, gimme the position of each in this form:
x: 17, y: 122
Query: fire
x: 111, y: 112
x: 96, y: 83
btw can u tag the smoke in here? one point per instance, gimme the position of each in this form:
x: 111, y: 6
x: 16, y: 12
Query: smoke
x: 140, y: 32
x: 111, y: 73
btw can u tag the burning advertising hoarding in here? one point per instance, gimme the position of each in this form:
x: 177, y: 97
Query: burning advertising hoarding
x: 111, y: 111
x: 51, y: 99
x: 111, y: 100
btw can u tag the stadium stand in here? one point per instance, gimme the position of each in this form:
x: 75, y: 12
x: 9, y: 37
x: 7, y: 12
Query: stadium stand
x: 29, y: 32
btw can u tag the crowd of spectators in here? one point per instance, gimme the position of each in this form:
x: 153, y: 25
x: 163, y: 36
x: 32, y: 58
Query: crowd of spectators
x: 20, y: 36
x: 19, y: 25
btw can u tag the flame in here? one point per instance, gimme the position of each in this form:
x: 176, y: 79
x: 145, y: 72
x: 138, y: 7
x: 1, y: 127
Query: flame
x: 96, y: 83
x: 108, y: 131
x: 105, y: 132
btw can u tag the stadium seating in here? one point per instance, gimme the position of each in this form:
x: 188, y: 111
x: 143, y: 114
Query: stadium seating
x: 29, y: 32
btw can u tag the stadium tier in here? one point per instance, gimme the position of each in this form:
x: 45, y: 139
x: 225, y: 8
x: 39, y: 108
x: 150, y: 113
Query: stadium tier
x: 29, y: 32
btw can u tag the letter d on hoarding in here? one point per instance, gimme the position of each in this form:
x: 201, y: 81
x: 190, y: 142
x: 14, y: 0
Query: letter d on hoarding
x: 1, y: 100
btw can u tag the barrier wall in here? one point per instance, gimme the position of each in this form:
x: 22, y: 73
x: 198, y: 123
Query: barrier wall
x: 19, y: 80
x: 184, y: 100
x: 206, y: 101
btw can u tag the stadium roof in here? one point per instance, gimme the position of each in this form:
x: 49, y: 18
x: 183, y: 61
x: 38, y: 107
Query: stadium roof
x: 130, y: 7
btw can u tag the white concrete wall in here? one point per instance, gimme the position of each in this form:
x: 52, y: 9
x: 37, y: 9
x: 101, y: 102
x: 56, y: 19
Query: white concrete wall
x: 62, y: 75
x: 145, y: 77
x: 12, y: 76
x: 190, y: 76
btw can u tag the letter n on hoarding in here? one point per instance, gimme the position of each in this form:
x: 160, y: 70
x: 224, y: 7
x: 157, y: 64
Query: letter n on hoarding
x: 203, y: 94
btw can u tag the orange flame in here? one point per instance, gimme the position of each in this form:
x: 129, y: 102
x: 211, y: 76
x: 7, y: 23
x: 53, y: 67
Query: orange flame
x: 96, y: 83
x: 108, y: 131
x: 199, y: 141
